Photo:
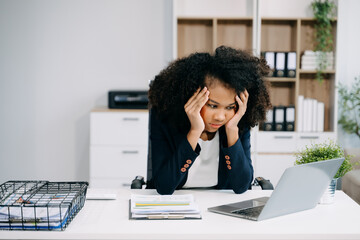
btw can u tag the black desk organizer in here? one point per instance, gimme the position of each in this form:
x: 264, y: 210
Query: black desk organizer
x: 40, y: 205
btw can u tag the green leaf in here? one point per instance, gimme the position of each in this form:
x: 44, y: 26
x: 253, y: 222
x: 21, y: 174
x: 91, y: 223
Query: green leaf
x: 323, y: 13
x: 325, y: 151
x: 349, y: 103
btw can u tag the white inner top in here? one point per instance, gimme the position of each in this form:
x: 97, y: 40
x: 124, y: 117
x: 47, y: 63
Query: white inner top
x: 204, y: 170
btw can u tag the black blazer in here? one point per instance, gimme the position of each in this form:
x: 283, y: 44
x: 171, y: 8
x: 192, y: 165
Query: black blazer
x: 172, y: 156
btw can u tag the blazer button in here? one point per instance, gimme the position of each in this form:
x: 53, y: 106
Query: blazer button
x: 183, y: 169
x: 227, y: 157
x: 188, y: 161
x: 186, y: 165
x: 229, y: 167
x: 228, y: 162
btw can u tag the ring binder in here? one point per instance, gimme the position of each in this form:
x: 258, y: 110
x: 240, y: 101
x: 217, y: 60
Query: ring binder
x: 280, y: 64
x: 291, y: 64
x: 290, y: 118
x: 279, y: 118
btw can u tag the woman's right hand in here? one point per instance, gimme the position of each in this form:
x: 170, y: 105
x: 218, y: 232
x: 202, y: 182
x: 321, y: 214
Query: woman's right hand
x: 193, y: 107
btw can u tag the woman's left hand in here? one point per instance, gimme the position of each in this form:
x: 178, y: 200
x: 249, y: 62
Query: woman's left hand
x: 242, y: 104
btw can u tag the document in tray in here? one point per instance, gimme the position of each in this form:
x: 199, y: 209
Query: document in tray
x: 163, y: 207
x: 49, y: 211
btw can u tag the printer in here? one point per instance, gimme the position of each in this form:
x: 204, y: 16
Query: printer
x: 128, y: 99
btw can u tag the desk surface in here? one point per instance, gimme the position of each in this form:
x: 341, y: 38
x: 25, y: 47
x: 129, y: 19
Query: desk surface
x: 108, y: 219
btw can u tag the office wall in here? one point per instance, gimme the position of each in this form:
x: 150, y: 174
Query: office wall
x: 58, y: 59
x: 348, y: 52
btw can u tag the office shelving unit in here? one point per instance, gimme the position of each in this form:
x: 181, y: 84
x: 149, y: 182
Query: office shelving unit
x: 278, y: 148
x: 297, y: 35
x: 206, y: 34
x: 325, y: 91
x: 272, y: 151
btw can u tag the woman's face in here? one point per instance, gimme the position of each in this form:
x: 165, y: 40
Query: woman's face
x: 220, y: 107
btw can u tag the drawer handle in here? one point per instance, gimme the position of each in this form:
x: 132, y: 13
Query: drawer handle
x: 309, y: 137
x: 130, y: 119
x: 130, y: 152
x: 283, y: 137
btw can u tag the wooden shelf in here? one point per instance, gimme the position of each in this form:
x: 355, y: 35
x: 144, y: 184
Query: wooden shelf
x: 277, y: 35
x: 236, y: 33
x: 278, y: 79
x: 301, y: 71
x: 282, y: 93
x: 297, y: 34
x: 210, y: 18
x: 194, y: 35
x: 199, y: 34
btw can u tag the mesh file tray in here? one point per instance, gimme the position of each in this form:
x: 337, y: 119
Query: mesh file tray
x: 40, y: 205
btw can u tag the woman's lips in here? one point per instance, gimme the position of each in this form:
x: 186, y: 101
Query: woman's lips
x: 213, y: 125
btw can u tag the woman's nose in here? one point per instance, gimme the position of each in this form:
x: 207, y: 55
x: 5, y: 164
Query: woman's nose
x: 219, y: 115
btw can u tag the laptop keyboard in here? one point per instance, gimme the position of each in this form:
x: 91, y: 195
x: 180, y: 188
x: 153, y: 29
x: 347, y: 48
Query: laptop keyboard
x: 251, y: 213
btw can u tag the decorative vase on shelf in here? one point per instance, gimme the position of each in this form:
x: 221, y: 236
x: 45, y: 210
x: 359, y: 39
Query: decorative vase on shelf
x: 329, y: 194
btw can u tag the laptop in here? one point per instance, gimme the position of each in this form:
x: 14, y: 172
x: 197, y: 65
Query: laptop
x: 299, y: 188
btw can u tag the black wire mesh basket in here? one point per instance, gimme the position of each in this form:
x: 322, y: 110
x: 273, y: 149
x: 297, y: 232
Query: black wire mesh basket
x: 40, y: 205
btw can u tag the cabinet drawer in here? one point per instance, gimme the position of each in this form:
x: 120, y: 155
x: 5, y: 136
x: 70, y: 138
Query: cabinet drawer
x: 110, y: 183
x: 252, y: 140
x: 272, y: 166
x: 306, y: 139
x: 276, y: 142
x: 118, y: 162
x: 119, y: 128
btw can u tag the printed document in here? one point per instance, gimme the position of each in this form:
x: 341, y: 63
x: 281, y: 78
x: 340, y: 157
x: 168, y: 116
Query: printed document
x: 163, y: 207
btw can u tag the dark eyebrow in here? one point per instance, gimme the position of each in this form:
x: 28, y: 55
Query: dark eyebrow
x: 213, y: 101
x: 220, y: 104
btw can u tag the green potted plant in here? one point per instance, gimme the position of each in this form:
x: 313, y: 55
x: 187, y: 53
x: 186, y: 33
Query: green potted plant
x: 321, y: 152
x: 349, y: 103
x: 349, y: 120
x: 324, y: 11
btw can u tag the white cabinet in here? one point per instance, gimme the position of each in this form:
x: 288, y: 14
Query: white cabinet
x: 272, y: 166
x: 275, y: 151
x: 118, y: 147
x: 276, y: 142
x: 314, y: 138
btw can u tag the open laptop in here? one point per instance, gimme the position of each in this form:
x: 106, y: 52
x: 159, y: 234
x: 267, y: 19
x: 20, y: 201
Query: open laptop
x: 299, y: 188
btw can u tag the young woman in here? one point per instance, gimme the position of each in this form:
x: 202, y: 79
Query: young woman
x: 202, y: 109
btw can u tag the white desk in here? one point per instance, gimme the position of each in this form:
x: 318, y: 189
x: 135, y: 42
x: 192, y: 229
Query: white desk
x: 109, y: 220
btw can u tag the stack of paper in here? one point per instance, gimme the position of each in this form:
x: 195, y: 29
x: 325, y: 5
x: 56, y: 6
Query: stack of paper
x: 39, y: 205
x: 311, y: 114
x: 163, y: 207
x: 45, y: 217
x: 311, y: 59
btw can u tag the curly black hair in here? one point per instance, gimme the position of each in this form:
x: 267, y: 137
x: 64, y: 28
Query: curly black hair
x: 236, y: 69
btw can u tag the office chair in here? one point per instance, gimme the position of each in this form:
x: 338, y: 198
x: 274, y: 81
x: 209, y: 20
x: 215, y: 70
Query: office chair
x: 139, y: 181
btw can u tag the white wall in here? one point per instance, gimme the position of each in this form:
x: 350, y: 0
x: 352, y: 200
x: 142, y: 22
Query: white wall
x: 348, y: 52
x: 58, y: 59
